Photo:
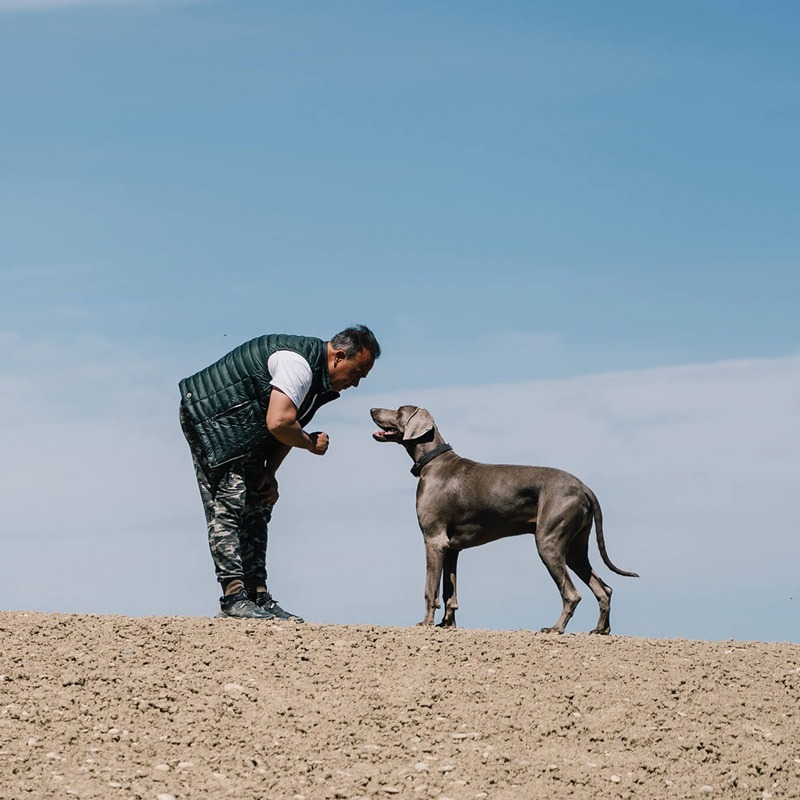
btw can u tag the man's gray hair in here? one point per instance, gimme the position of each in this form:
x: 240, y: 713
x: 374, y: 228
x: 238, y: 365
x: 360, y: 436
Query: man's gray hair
x: 354, y: 339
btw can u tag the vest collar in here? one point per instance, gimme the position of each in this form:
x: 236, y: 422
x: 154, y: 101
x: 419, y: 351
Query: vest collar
x: 429, y: 456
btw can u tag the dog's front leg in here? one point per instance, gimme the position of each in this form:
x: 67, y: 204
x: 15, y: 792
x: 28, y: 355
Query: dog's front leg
x: 434, y: 560
x: 449, y: 589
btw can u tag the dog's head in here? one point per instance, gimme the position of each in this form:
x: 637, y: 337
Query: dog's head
x: 402, y: 425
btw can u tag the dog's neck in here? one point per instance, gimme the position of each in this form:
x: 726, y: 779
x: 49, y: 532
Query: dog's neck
x: 425, y: 449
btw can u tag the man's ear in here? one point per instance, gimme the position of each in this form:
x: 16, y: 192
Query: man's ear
x: 417, y: 425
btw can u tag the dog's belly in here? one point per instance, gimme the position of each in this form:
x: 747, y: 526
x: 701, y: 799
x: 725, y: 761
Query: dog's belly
x: 488, y: 529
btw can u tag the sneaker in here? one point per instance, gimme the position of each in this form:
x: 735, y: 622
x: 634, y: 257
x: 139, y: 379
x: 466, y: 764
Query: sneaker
x: 240, y: 606
x: 266, y: 602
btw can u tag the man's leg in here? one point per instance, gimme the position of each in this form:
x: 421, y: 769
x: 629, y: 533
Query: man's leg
x: 226, y: 538
x: 255, y: 521
x: 224, y: 508
x: 256, y: 515
x: 223, y: 493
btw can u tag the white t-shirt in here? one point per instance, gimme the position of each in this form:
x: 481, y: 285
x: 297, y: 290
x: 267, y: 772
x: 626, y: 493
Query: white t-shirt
x: 291, y: 374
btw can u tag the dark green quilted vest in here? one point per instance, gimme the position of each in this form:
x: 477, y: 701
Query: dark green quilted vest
x: 226, y: 403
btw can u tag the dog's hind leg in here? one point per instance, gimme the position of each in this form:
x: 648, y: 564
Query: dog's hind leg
x: 434, y: 561
x: 578, y: 562
x: 551, y: 542
x: 449, y: 589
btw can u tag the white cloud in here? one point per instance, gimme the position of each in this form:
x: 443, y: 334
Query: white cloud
x: 695, y: 467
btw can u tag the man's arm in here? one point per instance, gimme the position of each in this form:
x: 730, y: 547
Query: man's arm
x: 283, y: 425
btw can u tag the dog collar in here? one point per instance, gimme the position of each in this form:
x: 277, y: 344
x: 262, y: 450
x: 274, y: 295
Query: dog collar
x: 437, y: 451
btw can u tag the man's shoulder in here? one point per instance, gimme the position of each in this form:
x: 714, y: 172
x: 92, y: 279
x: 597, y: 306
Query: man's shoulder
x: 288, y: 358
x: 310, y: 348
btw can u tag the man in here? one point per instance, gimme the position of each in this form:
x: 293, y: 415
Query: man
x: 241, y: 417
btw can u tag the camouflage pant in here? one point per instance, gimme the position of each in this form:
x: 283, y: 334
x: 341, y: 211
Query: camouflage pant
x: 236, y: 515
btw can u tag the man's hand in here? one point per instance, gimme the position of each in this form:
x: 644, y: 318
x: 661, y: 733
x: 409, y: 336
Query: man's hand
x: 268, y: 489
x: 319, y: 441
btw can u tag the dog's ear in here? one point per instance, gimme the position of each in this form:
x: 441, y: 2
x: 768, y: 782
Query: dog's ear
x: 417, y: 425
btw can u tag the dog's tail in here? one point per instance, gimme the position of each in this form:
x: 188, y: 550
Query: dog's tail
x: 601, y: 542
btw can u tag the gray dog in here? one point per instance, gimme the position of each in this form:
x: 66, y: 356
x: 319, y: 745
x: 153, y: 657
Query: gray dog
x: 462, y: 503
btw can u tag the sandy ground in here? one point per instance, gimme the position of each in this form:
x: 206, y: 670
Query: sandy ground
x: 163, y: 708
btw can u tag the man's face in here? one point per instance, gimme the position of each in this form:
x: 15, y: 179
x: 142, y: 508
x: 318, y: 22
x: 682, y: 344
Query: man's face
x: 347, y: 372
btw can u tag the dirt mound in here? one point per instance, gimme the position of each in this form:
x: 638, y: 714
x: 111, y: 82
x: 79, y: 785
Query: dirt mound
x: 160, y: 708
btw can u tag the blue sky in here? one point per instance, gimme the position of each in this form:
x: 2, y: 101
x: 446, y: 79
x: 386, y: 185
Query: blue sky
x: 530, y: 204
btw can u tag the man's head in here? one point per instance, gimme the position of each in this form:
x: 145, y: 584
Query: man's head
x: 351, y: 354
